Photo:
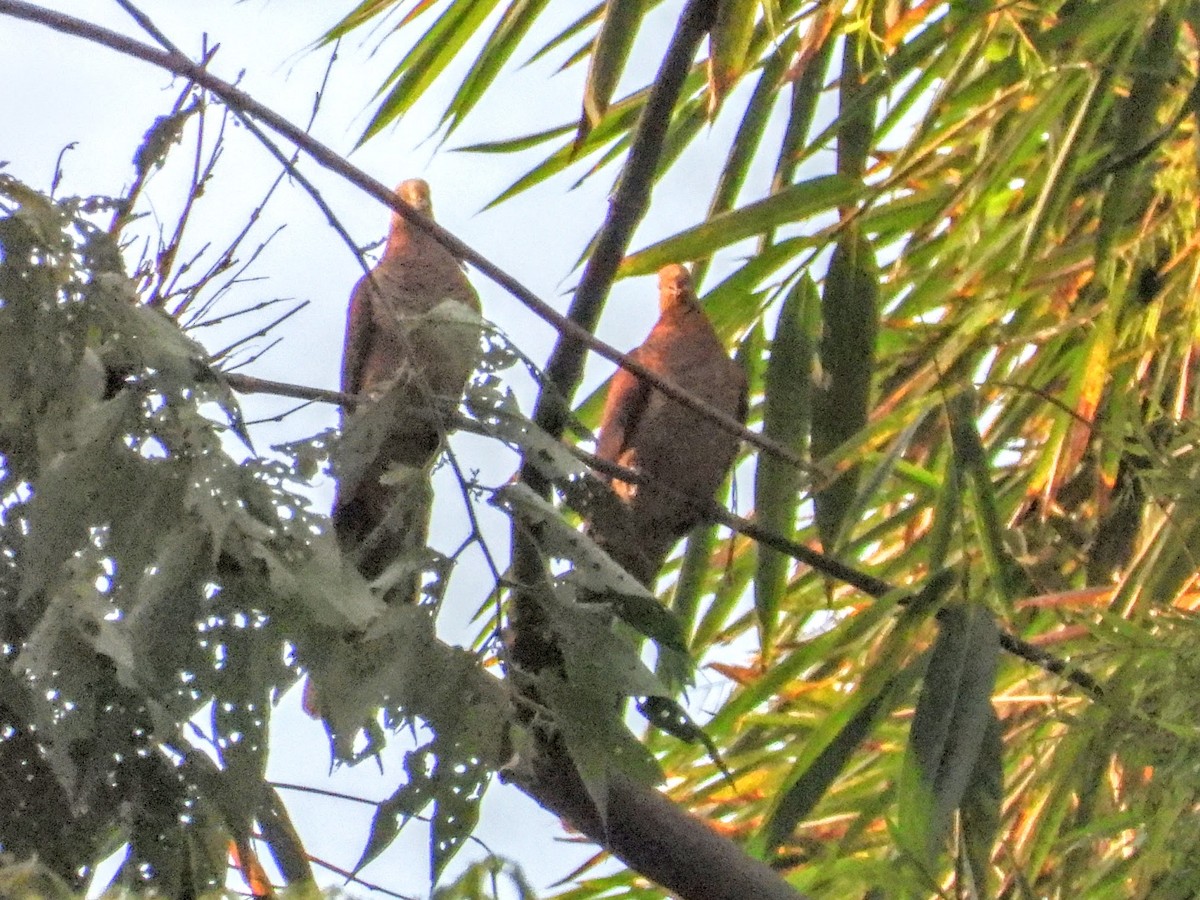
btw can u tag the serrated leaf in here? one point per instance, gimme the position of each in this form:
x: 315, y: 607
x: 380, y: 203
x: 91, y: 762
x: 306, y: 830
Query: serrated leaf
x: 328, y: 588
x: 497, y: 410
x: 166, y: 604
x: 558, y: 539
x: 87, y: 487
x: 460, y: 787
x: 64, y: 697
x: 597, y: 659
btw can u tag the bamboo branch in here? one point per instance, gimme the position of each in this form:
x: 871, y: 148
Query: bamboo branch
x: 625, y: 212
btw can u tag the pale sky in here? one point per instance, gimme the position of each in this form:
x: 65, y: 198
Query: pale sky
x: 56, y: 90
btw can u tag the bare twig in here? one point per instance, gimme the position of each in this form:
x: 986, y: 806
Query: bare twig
x: 201, y: 172
x: 716, y: 513
x: 352, y: 877
x: 261, y: 332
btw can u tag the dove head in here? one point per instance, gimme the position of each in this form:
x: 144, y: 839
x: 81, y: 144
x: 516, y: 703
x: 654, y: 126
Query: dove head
x: 415, y: 192
x: 675, y: 287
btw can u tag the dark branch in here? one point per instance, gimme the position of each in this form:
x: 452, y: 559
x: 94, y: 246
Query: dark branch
x: 625, y: 212
x: 530, y: 649
x: 654, y: 837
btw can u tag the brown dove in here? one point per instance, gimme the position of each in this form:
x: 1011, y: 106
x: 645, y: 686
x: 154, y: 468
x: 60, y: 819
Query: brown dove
x: 683, y: 453
x: 406, y: 348
x: 398, y: 346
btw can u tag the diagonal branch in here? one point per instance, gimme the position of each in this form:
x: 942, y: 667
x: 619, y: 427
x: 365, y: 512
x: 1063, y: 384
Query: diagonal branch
x: 714, y: 512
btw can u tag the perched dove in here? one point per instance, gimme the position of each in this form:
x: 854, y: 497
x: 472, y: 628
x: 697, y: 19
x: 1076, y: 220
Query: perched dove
x: 409, y: 352
x: 405, y: 342
x: 683, y: 453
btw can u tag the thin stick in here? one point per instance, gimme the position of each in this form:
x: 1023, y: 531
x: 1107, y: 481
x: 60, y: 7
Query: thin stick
x: 714, y: 512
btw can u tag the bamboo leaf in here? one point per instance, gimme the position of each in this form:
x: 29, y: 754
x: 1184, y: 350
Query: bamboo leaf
x: 428, y: 58
x: 508, y: 34
x: 850, y: 321
x: 786, y: 418
x: 802, y: 797
x: 730, y: 43
x: 796, y: 203
x: 618, y: 28
x: 951, y: 722
x: 982, y: 804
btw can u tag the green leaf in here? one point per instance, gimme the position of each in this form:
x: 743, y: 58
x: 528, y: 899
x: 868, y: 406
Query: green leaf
x: 744, y: 148
x: 498, y: 411
x: 428, y: 59
x: 787, y: 407
x: 1154, y: 65
x: 594, y: 571
x: 577, y: 27
x: 407, y: 801
x: 360, y: 15
x: 951, y: 722
x: 856, y: 122
x: 80, y: 489
x: 974, y: 472
x: 882, y: 676
x: 461, y: 783
x: 598, y: 741
x: 618, y: 28
x: 850, y: 321
x: 795, y: 203
x: 982, y: 804
x: 799, y: 800
x: 518, y: 17
x: 599, y: 661
x: 730, y: 41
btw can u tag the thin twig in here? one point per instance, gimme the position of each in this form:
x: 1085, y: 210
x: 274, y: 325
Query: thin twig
x: 354, y: 798
x: 352, y: 877
x: 716, y: 513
